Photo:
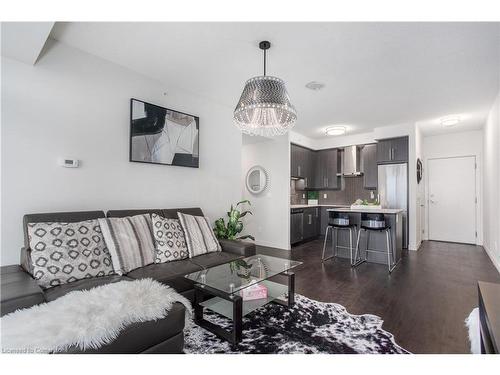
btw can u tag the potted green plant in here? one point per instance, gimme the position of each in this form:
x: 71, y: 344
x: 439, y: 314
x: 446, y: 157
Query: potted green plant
x: 234, y: 225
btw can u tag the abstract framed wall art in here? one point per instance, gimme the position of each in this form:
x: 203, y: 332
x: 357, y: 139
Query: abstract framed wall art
x: 160, y: 135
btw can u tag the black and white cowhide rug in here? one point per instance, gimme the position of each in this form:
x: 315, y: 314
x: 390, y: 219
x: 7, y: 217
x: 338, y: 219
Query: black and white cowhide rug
x: 308, y: 327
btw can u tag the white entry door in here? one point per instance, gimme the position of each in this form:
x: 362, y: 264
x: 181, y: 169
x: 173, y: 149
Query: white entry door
x: 452, y: 199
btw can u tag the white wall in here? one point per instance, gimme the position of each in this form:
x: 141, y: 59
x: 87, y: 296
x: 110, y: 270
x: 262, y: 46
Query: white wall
x: 452, y: 145
x: 72, y: 104
x: 270, y: 223
x: 491, y: 186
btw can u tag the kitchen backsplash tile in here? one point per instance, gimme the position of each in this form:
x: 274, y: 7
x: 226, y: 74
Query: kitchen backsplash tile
x: 296, y: 191
x: 352, y: 189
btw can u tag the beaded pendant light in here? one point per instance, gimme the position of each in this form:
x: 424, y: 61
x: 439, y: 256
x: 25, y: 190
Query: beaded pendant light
x: 264, y: 108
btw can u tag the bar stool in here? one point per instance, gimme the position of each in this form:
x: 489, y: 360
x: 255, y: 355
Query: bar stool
x: 338, y: 221
x: 375, y: 223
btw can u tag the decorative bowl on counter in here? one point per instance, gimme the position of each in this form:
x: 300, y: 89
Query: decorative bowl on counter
x: 366, y: 206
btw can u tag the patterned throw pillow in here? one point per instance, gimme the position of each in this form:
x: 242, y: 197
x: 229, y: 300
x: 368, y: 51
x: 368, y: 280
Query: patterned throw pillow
x: 200, y: 237
x: 65, y: 252
x: 130, y: 241
x: 169, y: 239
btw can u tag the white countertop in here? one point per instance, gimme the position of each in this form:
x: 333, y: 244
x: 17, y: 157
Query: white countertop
x: 369, y: 210
x: 317, y: 205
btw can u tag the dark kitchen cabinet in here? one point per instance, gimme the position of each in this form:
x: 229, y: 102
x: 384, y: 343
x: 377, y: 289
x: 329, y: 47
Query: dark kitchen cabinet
x: 303, y: 163
x: 394, y: 150
x: 296, y: 227
x: 311, y: 222
x: 370, y: 169
x: 309, y: 173
x: 326, y: 168
x: 297, y: 161
x: 400, y: 149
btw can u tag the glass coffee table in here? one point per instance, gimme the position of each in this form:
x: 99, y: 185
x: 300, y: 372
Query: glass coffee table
x: 220, y: 289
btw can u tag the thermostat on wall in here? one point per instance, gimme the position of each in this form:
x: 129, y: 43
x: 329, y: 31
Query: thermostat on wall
x: 69, y: 163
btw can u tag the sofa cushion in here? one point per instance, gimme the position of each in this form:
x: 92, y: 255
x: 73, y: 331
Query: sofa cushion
x: 86, y: 284
x: 130, y: 241
x: 18, y: 290
x: 65, y: 252
x: 57, y: 217
x: 170, y: 273
x: 144, y: 336
x: 214, y: 259
x: 170, y: 243
x: 238, y: 247
x: 169, y: 213
x: 200, y: 237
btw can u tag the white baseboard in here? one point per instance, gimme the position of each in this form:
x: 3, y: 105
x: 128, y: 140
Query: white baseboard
x: 271, y: 244
x: 495, y: 261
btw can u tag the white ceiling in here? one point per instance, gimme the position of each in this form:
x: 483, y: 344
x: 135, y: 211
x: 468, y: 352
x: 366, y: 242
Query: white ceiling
x: 24, y: 41
x: 376, y: 74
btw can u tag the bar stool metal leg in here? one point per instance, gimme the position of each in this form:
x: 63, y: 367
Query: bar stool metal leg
x: 324, y: 244
x: 358, y: 261
x: 389, y: 260
x: 335, y: 242
x: 390, y: 254
x: 350, y: 245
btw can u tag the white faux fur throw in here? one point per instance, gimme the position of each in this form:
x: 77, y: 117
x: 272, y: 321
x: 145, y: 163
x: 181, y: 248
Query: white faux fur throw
x: 472, y: 323
x: 87, y: 319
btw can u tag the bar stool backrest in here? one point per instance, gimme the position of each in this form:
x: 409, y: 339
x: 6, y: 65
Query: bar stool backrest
x: 338, y: 218
x: 372, y: 220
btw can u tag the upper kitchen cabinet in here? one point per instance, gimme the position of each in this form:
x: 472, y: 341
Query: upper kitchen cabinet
x: 394, y: 150
x: 327, y: 167
x: 303, y: 163
x: 370, y: 170
x: 310, y: 172
x: 297, y: 161
x: 400, y: 149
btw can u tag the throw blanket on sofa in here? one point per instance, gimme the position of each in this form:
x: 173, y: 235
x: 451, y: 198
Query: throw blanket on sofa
x: 87, y: 318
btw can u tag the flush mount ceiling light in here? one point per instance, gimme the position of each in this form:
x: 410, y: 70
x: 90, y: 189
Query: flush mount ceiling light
x: 449, y: 121
x: 264, y: 107
x: 335, y: 130
x: 315, y: 86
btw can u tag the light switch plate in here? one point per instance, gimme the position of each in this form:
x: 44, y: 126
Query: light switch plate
x: 303, y: 196
x: 325, y: 196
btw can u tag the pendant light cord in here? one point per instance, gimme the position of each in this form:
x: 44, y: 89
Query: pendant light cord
x: 265, y: 62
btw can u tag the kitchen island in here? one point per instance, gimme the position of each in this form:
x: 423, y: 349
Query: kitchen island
x: 377, y: 252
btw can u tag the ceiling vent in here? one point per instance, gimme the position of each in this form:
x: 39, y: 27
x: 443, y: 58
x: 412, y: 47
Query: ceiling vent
x: 315, y: 86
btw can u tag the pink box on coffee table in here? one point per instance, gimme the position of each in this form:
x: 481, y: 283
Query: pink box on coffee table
x: 256, y: 291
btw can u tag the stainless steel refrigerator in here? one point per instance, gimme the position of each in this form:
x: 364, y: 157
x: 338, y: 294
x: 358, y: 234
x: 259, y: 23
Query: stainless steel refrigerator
x: 393, y: 191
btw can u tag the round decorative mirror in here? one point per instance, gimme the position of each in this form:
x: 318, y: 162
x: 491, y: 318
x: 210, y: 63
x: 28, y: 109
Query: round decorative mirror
x: 257, y: 180
x: 419, y: 170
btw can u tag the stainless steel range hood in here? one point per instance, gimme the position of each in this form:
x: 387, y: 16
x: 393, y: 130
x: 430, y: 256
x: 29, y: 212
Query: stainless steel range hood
x: 351, y: 164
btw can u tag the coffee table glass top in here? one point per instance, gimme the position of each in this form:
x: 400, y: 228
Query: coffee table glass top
x: 242, y: 273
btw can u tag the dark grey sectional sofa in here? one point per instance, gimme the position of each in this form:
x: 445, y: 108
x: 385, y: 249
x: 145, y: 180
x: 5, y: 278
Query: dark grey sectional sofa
x: 19, y: 289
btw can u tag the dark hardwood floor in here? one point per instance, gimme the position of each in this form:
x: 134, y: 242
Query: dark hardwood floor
x: 423, y: 302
